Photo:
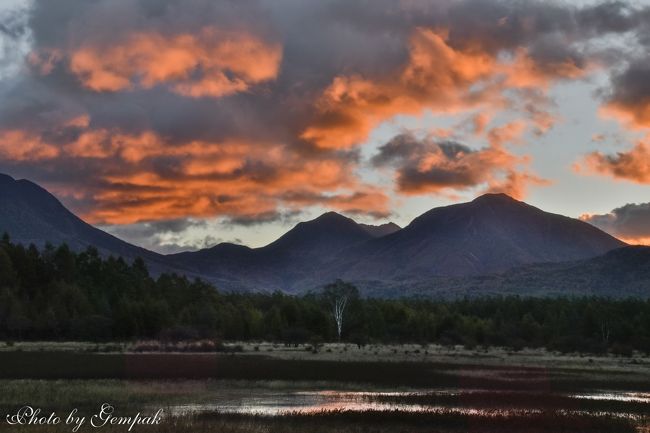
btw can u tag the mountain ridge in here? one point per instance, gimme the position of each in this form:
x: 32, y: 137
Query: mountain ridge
x: 490, y: 234
x: 32, y: 215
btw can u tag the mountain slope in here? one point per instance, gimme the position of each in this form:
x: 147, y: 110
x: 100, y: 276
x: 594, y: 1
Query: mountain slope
x: 490, y: 234
x: 620, y: 273
x: 294, y: 259
x: 30, y: 214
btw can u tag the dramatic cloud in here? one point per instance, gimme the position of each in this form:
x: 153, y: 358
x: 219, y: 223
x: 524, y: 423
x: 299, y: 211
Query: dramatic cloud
x: 437, y: 77
x: 425, y: 165
x: 633, y: 165
x: 136, y: 111
x: 629, y: 96
x: 210, y: 63
x: 630, y: 223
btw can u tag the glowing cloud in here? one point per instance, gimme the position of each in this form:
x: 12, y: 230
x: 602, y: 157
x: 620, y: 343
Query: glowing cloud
x: 633, y: 165
x: 210, y: 63
x: 630, y: 223
x: 426, y: 166
x: 437, y: 77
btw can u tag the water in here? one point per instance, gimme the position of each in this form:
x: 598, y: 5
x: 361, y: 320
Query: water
x: 272, y: 402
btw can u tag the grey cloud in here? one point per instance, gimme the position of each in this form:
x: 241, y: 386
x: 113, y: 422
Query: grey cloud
x: 631, y: 221
x: 284, y: 217
x: 631, y: 87
x: 406, y: 153
x: 320, y: 40
x: 164, y: 236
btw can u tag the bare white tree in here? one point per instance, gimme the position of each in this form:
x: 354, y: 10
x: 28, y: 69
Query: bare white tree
x: 339, y: 308
x: 338, y: 295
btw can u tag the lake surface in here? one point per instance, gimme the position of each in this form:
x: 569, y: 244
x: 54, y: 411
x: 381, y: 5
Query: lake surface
x: 271, y: 402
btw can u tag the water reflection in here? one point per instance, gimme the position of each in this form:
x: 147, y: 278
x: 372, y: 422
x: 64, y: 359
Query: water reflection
x: 638, y: 397
x: 268, y: 402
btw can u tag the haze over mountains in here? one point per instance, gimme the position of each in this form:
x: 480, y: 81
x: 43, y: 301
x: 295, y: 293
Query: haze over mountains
x: 446, y: 247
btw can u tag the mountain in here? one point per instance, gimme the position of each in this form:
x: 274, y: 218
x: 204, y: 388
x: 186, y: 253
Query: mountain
x: 620, y: 273
x: 472, y: 246
x: 296, y: 258
x: 380, y: 230
x: 30, y: 214
x: 489, y: 234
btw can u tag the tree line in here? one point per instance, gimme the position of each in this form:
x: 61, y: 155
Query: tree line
x: 58, y: 294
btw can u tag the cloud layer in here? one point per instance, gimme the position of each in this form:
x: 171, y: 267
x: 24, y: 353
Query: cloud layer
x: 138, y: 111
x: 433, y: 166
x: 630, y: 223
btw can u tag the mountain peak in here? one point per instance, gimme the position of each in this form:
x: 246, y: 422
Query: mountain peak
x: 495, y: 197
x: 330, y: 231
x: 331, y: 216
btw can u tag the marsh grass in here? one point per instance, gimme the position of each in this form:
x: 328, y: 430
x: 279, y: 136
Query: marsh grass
x: 373, y: 422
x: 60, y: 380
x: 515, y: 400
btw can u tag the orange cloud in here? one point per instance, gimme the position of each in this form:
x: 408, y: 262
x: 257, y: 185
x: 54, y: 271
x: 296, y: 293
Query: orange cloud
x: 634, y: 114
x: 480, y: 122
x: 633, y: 165
x: 210, y: 63
x: 149, y: 196
x: 143, y: 177
x: 17, y: 145
x: 437, y: 77
x: 509, y: 133
x: 516, y: 184
x: 523, y: 71
x: 424, y: 166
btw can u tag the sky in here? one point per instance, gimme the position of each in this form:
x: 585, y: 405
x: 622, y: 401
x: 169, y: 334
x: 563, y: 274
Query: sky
x: 179, y: 124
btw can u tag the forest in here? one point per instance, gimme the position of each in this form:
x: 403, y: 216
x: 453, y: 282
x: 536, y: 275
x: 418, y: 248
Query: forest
x: 57, y: 294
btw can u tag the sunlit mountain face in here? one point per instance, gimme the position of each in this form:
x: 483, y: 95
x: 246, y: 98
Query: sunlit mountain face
x: 177, y: 125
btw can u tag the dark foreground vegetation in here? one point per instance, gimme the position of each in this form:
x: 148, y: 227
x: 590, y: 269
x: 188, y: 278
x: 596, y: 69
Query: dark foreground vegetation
x: 375, y: 422
x: 57, y: 294
x: 398, y: 421
x: 483, y: 398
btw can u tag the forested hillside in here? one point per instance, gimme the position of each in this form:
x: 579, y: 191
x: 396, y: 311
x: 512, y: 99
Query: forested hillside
x: 58, y: 294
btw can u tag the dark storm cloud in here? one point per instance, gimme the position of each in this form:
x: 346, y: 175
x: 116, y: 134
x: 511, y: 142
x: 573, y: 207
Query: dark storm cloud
x: 140, y: 106
x: 628, y: 97
x: 320, y: 40
x: 612, y: 16
x: 452, y: 163
x: 630, y: 222
x: 424, y: 165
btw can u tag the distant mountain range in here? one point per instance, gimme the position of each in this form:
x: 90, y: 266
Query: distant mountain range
x: 493, y: 244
